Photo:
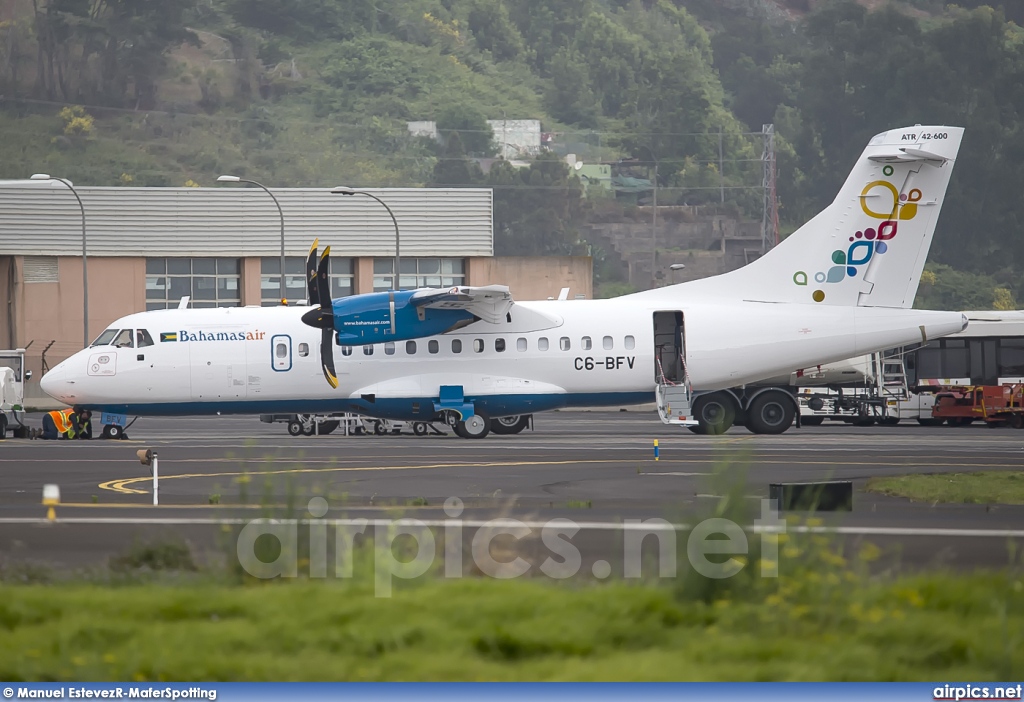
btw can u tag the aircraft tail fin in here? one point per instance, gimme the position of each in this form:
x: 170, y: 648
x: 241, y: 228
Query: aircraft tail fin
x: 868, y: 248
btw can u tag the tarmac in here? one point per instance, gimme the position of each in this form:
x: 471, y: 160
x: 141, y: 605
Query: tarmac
x: 596, y: 469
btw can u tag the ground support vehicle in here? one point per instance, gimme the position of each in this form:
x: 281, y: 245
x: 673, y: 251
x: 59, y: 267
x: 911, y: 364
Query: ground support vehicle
x: 996, y: 405
x: 12, y: 393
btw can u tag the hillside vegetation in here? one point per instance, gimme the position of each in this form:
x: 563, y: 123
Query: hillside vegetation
x: 319, y: 93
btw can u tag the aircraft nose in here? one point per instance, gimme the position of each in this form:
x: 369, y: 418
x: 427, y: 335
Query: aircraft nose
x: 53, y: 383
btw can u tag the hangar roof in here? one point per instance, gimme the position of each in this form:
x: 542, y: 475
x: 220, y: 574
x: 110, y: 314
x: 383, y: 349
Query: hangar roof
x: 43, y: 218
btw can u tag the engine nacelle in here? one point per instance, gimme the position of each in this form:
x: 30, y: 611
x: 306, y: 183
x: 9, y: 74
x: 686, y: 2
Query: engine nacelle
x: 373, y: 318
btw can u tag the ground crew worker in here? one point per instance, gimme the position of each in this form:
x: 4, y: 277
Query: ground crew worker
x: 60, y: 424
x: 85, y: 425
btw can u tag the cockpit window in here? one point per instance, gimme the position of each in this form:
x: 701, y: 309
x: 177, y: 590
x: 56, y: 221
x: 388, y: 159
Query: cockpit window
x: 143, y: 337
x: 105, y: 338
x: 124, y: 340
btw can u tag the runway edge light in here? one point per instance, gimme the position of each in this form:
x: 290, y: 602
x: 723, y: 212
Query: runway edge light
x: 51, y: 498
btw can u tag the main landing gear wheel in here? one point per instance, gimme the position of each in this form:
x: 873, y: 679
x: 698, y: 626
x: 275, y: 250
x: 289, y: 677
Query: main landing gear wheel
x: 112, y: 431
x: 715, y: 412
x: 476, y: 427
x: 510, y: 425
x: 771, y: 413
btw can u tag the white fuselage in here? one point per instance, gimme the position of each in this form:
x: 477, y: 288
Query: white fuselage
x: 551, y: 354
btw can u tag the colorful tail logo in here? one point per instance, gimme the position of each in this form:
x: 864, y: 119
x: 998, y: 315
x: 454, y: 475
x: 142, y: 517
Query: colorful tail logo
x: 865, y: 244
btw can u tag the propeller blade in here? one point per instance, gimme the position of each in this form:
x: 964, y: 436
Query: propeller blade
x: 327, y: 356
x: 323, y: 282
x: 312, y: 294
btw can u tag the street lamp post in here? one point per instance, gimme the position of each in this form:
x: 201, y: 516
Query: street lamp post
x: 85, y: 266
x: 342, y: 190
x: 676, y: 267
x: 280, y: 213
x: 654, y: 218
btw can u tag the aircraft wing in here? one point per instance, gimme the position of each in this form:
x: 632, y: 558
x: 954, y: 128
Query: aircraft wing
x: 489, y: 302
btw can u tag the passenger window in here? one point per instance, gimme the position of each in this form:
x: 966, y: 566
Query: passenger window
x: 124, y: 340
x: 478, y: 345
x: 303, y: 349
x: 608, y: 343
x: 520, y: 344
x: 456, y: 345
x: 499, y: 345
x: 432, y: 346
x: 143, y: 338
x: 368, y: 350
x: 281, y: 350
x: 346, y: 350
x: 630, y: 343
x: 542, y: 343
x: 410, y: 347
x: 389, y: 348
x: 587, y: 345
x: 563, y: 343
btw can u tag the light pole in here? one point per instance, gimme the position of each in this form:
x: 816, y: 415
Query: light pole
x: 676, y: 267
x: 342, y: 190
x: 280, y: 213
x: 85, y: 266
x: 654, y: 218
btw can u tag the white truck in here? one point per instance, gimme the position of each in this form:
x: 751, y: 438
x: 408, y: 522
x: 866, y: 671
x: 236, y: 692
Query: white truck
x: 12, y: 392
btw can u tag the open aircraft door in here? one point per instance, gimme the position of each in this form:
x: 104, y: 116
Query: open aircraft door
x: 672, y: 382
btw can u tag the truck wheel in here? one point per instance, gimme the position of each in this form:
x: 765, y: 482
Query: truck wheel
x: 3, y: 426
x: 294, y: 428
x: 378, y: 428
x: 715, y: 412
x: 771, y: 413
x: 510, y: 425
x: 1016, y: 421
x: 889, y: 421
x: 929, y: 421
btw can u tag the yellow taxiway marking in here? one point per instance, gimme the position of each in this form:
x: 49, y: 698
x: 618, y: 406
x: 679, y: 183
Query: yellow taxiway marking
x: 121, y: 484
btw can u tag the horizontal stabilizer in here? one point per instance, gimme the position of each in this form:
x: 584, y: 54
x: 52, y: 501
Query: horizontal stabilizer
x: 490, y: 302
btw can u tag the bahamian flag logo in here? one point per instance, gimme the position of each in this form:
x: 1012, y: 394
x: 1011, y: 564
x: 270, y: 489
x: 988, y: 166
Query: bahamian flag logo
x: 168, y: 336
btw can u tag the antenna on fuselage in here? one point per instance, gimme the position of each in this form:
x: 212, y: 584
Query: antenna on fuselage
x: 183, y: 302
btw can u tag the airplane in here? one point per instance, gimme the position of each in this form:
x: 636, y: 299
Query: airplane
x: 475, y: 358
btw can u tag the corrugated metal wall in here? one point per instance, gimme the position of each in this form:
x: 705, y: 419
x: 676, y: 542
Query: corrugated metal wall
x: 43, y: 219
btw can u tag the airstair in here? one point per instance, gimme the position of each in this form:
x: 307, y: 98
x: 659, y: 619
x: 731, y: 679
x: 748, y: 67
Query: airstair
x: 675, y: 400
x: 890, y: 384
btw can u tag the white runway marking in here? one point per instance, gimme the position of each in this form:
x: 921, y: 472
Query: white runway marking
x: 634, y: 525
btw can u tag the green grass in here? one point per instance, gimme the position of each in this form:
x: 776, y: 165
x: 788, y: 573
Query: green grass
x: 1002, y: 487
x: 824, y: 618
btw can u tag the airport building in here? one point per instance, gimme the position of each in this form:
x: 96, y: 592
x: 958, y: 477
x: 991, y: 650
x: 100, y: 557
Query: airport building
x: 147, y: 248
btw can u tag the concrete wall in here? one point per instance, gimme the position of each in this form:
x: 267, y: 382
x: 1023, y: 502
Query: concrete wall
x: 706, y: 244
x: 534, y: 278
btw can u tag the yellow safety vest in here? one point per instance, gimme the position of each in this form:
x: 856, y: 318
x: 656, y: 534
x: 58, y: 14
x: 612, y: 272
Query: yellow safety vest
x: 62, y: 420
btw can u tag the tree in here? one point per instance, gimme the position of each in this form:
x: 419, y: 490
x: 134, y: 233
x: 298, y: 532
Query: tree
x: 476, y: 136
x: 453, y: 168
x: 535, y: 208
